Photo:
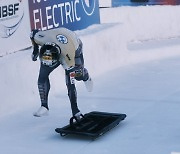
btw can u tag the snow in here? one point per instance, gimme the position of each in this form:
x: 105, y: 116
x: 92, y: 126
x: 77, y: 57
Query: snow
x: 133, y: 58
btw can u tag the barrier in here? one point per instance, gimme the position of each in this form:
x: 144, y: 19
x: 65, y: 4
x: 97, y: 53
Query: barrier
x: 14, y: 26
x: 72, y: 14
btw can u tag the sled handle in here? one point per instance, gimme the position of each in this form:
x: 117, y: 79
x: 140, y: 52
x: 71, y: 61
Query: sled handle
x: 71, y: 121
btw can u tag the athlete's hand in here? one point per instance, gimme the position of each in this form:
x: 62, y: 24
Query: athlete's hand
x: 34, y: 56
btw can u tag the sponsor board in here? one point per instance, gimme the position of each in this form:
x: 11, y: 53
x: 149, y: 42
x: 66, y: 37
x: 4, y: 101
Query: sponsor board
x: 72, y: 14
x: 13, y: 18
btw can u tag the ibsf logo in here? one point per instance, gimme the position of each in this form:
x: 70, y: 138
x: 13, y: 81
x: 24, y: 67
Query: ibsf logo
x: 11, y: 15
x: 8, y: 10
x: 88, y: 6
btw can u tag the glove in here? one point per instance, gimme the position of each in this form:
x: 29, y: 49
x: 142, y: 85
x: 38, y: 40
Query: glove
x: 33, y: 32
x: 34, y: 56
x: 35, y: 53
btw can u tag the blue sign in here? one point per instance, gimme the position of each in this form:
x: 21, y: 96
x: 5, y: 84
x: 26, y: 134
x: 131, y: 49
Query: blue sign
x: 72, y: 14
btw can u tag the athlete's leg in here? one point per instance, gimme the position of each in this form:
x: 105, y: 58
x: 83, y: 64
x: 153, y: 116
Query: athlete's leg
x: 44, y: 83
x: 71, y: 91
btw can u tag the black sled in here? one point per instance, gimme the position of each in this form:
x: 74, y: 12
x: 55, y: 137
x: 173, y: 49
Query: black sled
x: 93, y: 124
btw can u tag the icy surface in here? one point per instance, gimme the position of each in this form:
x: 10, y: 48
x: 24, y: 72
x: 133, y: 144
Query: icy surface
x: 134, y: 71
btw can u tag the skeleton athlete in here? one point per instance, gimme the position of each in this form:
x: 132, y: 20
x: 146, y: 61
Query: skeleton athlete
x: 59, y: 47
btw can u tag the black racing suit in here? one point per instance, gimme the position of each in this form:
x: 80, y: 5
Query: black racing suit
x: 78, y: 72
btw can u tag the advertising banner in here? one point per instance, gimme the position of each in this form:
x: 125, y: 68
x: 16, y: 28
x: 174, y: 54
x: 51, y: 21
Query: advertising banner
x: 14, y: 25
x: 144, y: 2
x: 72, y: 14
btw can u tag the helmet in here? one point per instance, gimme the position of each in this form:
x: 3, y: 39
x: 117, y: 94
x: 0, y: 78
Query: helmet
x: 50, y: 54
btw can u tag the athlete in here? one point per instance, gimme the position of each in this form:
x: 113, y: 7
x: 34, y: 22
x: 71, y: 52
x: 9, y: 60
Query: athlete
x: 59, y: 47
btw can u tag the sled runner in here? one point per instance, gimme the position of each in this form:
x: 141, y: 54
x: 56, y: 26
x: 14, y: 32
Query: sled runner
x: 93, y: 124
